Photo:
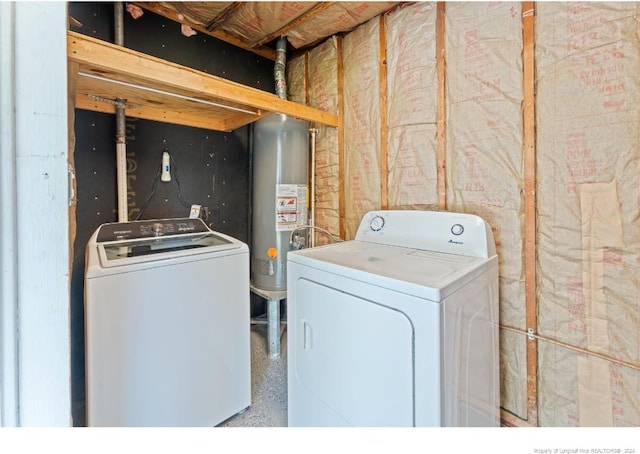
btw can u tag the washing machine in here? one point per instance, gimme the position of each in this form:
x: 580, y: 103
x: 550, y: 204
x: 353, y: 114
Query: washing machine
x: 398, y: 327
x: 166, y: 325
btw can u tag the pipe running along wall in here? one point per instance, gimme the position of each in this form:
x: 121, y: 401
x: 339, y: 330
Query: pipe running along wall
x: 280, y: 67
x: 121, y: 147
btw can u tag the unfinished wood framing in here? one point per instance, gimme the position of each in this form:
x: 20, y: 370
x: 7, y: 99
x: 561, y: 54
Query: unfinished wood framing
x: 116, y: 65
x: 160, y: 90
x: 341, y: 156
x: 209, y: 29
x: 72, y: 71
x: 220, y: 18
x: 529, y: 139
x: 384, y: 174
x: 441, y: 120
x: 313, y: 12
x: 307, y: 82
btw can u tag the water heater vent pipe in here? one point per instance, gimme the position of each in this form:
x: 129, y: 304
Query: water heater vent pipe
x: 280, y: 67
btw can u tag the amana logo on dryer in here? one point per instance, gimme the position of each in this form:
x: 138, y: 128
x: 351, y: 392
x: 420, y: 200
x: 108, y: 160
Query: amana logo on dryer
x: 455, y: 242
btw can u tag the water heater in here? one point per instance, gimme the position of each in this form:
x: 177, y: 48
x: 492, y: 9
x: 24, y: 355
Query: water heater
x: 280, y: 195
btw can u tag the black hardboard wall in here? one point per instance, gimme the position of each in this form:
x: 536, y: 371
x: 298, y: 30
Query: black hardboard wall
x: 209, y: 168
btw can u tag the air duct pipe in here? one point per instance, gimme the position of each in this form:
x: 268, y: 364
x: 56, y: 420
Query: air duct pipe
x: 121, y: 147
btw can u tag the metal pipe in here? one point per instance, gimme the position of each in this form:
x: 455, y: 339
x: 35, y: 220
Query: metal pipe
x: 312, y: 195
x: 273, y: 328
x: 161, y: 92
x: 280, y: 68
x: 250, y: 189
x: 121, y: 146
x: 620, y: 362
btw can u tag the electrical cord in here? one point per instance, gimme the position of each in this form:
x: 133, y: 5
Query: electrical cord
x: 153, y: 191
x: 174, y: 164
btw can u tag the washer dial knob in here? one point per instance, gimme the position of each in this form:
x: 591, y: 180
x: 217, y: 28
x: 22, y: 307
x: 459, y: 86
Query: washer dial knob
x: 157, y: 228
x: 457, y: 229
x: 377, y: 223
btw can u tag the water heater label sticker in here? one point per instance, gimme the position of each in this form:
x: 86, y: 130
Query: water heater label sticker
x: 291, y: 206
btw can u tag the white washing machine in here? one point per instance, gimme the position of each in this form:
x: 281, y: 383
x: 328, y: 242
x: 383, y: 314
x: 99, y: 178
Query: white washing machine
x: 398, y: 327
x: 166, y: 324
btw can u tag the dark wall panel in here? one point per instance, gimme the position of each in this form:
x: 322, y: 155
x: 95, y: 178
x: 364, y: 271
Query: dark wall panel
x: 208, y: 168
x: 213, y: 168
x: 162, y: 38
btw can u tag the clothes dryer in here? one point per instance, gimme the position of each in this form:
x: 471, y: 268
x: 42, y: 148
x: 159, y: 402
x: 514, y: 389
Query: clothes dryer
x: 398, y: 327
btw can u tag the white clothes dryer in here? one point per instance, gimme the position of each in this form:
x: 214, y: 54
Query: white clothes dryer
x: 167, y: 325
x: 398, y: 327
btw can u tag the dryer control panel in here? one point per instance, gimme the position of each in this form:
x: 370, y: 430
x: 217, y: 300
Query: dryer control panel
x: 438, y: 231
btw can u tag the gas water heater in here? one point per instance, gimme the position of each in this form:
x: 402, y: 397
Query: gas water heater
x: 280, y: 195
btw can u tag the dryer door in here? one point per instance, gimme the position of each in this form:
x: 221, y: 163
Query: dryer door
x: 353, y: 361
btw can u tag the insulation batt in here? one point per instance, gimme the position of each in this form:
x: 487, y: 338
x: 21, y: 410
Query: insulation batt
x: 185, y: 29
x: 135, y: 11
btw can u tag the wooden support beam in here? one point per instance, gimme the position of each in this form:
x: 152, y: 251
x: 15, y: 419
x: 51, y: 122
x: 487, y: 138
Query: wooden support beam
x: 341, y: 151
x: 307, y: 79
x: 529, y: 152
x: 72, y: 80
x: 159, y: 8
x: 441, y: 131
x: 240, y: 119
x: 282, y: 31
x: 311, y: 174
x: 111, y: 71
x: 223, y: 16
x: 382, y: 65
x: 155, y: 114
x: 509, y: 420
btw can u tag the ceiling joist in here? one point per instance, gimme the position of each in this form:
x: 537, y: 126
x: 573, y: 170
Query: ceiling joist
x: 282, y: 31
x: 224, y: 15
x: 162, y: 10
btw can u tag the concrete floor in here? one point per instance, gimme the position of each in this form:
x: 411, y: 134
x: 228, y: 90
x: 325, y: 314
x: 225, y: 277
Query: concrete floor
x: 268, y: 385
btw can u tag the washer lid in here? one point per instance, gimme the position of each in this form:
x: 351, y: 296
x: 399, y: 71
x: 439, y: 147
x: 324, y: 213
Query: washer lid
x: 425, y: 274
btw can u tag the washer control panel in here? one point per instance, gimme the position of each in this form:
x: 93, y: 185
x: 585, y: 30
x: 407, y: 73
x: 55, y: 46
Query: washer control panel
x: 148, y: 229
x: 440, y: 231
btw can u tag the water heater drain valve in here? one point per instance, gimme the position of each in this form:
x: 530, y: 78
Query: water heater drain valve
x: 272, y: 253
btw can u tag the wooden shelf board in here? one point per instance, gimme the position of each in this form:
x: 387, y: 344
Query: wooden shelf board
x: 157, y: 88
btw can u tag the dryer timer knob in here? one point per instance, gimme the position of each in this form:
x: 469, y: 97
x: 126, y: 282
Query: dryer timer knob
x: 377, y: 223
x: 457, y: 229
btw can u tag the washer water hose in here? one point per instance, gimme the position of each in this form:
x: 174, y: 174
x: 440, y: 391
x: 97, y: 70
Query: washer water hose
x: 297, y: 242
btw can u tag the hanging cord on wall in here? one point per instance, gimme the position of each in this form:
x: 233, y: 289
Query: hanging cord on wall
x: 174, y: 165
x: 153, y: 191
x: 154, y: 186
